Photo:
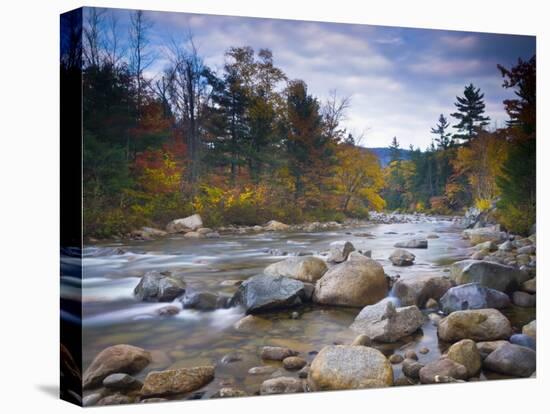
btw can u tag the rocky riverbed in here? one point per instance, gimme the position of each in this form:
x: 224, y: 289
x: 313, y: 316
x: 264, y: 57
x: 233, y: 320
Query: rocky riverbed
x: 192, y: 313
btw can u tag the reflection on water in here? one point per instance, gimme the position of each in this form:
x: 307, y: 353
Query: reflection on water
x: 111, y: 315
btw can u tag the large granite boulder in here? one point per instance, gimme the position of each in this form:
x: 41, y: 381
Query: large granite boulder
x: 263, y: 292
x: 352, y: 283
x: 417, y: 290
x: 343, y: 367
x: 478, y: 325
x: 186, y: 224
x: 176, y: 381
x: 383, y: 322
x: 159, y: 287
x: 306, y: 268
x: 514, y: 360
x: 488, y: 274
x: 473, y: 296
x: 274, y: 225
x: 126, y: 359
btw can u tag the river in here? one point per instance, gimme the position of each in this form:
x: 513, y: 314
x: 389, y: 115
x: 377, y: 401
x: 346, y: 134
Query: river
x: 111, y: 314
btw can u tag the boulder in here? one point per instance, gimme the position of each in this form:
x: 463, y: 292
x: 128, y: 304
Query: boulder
x: 262, y: 293
x: 486, y: 347
x: 417, y: 290
x: 488, y: 246
x: 159, y: 287
x: 274, y: 225
x: 530, y: 329
x: 294, y: 363
x: 514, y: 360
x: 121, y: 382
x: 401, y: 257
x: 507, y: 246
x: 193, y: 235
x: 186, y: 224
x: 282, y: 385
x: 147, y: 233
x: 478, y: 325
x: 276, y: 353
x: 352, y: 283
x: 342, y: 367
x: 473, y: 296
x: 529, y: 286
x: 443, y: 367
x: 204, y: 301
x: 524, y: 340
x: 176, y: 381
x: 383, y: 322
x: 488, y: 274
x: 529, y: 249
x: 524, y: 299
x: 411, y: 368
x: 125, y: 359
x: 115, y: 399
x: 339, y: 254
x: 306, y: 269
x: 432, y: 236
x: 465, y: 352
x: 484, y: 234
x: 413, y: 244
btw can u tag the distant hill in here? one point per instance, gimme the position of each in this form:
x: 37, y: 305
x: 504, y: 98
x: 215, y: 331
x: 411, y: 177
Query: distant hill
x: 383, y: 155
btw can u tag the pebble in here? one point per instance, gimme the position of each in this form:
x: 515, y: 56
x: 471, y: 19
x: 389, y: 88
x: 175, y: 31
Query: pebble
x: 395, y: 359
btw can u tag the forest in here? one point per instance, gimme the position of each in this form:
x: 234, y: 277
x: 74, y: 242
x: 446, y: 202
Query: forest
x: 248, y: 143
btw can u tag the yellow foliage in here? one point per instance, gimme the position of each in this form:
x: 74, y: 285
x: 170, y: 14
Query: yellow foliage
x: 482, y: 204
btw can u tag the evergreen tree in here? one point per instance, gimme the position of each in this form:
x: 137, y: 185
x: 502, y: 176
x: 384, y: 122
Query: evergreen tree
x: 443, y: 138
x: 470, y: 110
x: 395, y: 150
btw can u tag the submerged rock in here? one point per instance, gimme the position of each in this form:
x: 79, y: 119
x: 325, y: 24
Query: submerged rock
x: 411, y: 368
x: 276, y: 353
x: 125, y: 359
x: 305, y: 269
x: 352, y: 283
x: 488, y: 274
x: 176, y: 381
x: 252, y: 323
x: 159, y: 287
x: 204, y: 301
x: 343, y: 367
x: 383, y: 322
x: 413, y: 244
x: 417, y: 290
x: 473, y: 296
x: 478, y: 325
x: 282, y: 385
x: 401, y: 257
x: 511, y: 359
x: 263, y: 292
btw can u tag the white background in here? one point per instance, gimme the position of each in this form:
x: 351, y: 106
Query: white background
x: 29, y: 207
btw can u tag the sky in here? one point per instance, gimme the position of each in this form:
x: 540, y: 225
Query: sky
x: 398, y: 79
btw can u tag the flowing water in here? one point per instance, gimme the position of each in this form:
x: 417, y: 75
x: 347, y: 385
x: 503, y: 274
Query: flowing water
x: 111, y: 314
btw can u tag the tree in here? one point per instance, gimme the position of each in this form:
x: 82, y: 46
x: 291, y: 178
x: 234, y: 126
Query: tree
x: 140, y: 58
x: 309, y: 152
x: 358, y: 178
x: 443, y: 138
x: 395, y: 151
x: 470, y: 110
x: 517, y: 183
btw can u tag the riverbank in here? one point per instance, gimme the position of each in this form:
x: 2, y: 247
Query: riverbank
x: 209, y: 328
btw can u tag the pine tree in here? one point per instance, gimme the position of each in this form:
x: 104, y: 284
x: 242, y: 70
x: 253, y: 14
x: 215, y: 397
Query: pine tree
x: 471, y: 108
x: 443, y: 138
x: 395, y: 150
